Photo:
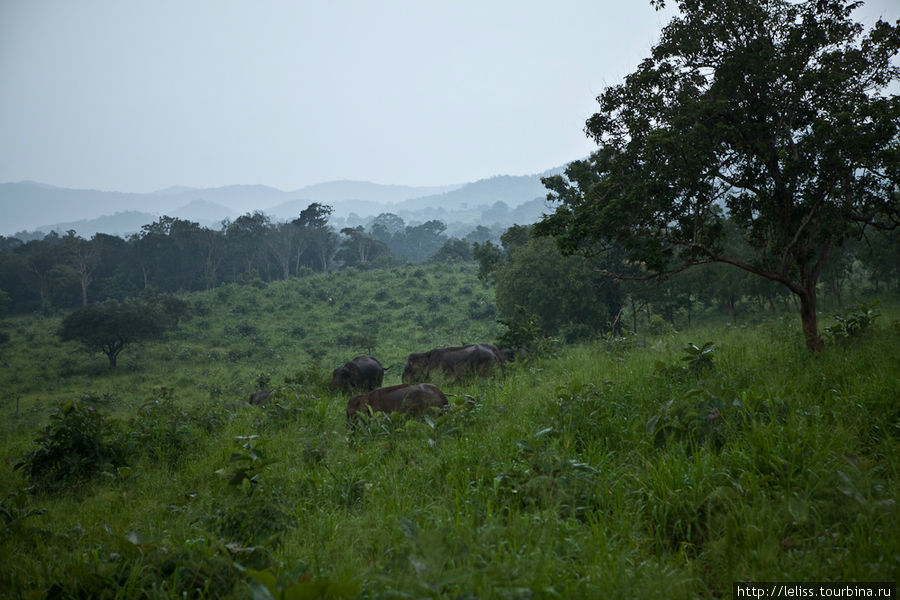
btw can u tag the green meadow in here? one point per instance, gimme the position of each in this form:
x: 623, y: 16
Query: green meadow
x: 640, y: 466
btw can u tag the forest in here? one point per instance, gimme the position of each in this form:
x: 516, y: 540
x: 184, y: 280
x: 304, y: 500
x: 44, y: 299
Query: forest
x: 695, y: 380
x: 172, y: 255
x: 572, y: 296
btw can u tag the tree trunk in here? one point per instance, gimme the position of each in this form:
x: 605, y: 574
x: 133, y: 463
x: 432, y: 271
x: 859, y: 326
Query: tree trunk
x: 810, y: 321
x: 634, y: 315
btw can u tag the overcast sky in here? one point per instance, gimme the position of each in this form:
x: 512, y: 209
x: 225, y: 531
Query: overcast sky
x: 141, y: 95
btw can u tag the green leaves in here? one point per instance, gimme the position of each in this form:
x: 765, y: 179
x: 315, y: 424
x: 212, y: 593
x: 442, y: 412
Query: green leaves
x: 78, y: 444
x: 854, y: 325
x: 248, y: 464
x: 111, y: 326
x: 699, y: 358
x: 770, y: 116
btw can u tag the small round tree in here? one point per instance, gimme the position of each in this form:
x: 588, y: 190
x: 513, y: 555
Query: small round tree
x: 111, y: 326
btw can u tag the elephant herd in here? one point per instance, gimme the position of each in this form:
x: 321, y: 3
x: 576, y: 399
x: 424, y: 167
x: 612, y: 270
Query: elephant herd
x: 365, y: 374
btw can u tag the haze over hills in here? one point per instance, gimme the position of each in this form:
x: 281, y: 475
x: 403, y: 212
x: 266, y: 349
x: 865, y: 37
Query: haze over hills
x: 31, y: 206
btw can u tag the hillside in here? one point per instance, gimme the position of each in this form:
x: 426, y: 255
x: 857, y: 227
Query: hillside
x: 511, y: 190
x: 28, y: 205
x: 621, y: 468
x: 280, y: 329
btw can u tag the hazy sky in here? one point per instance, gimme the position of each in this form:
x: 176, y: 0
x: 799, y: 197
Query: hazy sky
x: 133, y: 95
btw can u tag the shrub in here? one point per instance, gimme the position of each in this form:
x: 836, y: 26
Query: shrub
x: 364, y: 341
x: 243, y: 329
x: 523, y: 332
x: 698, y: 359
x: 77, y: 445
x: 540, y: 478
x: 311, y: 378
x: 481, y: 310
x: 854, y: 325
x: 658, y: 326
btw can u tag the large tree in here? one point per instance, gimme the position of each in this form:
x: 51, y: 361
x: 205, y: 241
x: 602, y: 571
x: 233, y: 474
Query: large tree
x: 316, y: 241
x: 772, y: 115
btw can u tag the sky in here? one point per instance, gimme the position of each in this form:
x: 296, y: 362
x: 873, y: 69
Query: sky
x: 140, y: 95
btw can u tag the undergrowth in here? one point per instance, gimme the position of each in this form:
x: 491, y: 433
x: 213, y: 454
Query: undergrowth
x: 668, y: 467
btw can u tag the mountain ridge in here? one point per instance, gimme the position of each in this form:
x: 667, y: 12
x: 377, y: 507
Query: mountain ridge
x: 28, y: 205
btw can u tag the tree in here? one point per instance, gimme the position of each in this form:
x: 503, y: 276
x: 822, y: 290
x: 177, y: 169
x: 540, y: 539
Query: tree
x: 768, y: 114
x: 111, y: 326
x: 480, y: 235
x: 315, y: 215
x: 41, y: 258
x: 246, y: 238
x: 282, y: 240
x: 112, y: 257
x: 316, y: 242
x: 359, y: 250
x: 489, y: 256
x: 419, y: 242
x: 540, y: 289
x: 386, y: 225
x: 453, y: 250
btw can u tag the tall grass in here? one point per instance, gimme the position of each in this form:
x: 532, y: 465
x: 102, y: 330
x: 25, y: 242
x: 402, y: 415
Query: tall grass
x: 609, y: 469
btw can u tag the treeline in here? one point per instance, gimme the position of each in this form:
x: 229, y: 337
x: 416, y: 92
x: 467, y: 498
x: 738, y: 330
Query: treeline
x: 175, y: 255
x: 539, y: 292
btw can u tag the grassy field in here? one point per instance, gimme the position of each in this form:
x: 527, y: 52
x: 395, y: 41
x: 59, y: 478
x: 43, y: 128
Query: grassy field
x: 612, y: 469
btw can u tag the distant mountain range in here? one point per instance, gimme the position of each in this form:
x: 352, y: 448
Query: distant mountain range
x: 30, y: 206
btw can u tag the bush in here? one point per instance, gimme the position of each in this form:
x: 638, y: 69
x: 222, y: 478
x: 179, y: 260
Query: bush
x: 257, y: 515
x: 523, y: 332
x: 77, y: 445
x: 854, y: 325
x: 659, y: 326
x: 698, y: 361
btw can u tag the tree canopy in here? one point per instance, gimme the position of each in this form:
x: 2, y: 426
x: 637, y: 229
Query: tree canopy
x: 110, y: 326
x: 767, y: 117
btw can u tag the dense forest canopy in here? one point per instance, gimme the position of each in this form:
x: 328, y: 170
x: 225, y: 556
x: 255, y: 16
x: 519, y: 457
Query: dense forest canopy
x: 177, y: 255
